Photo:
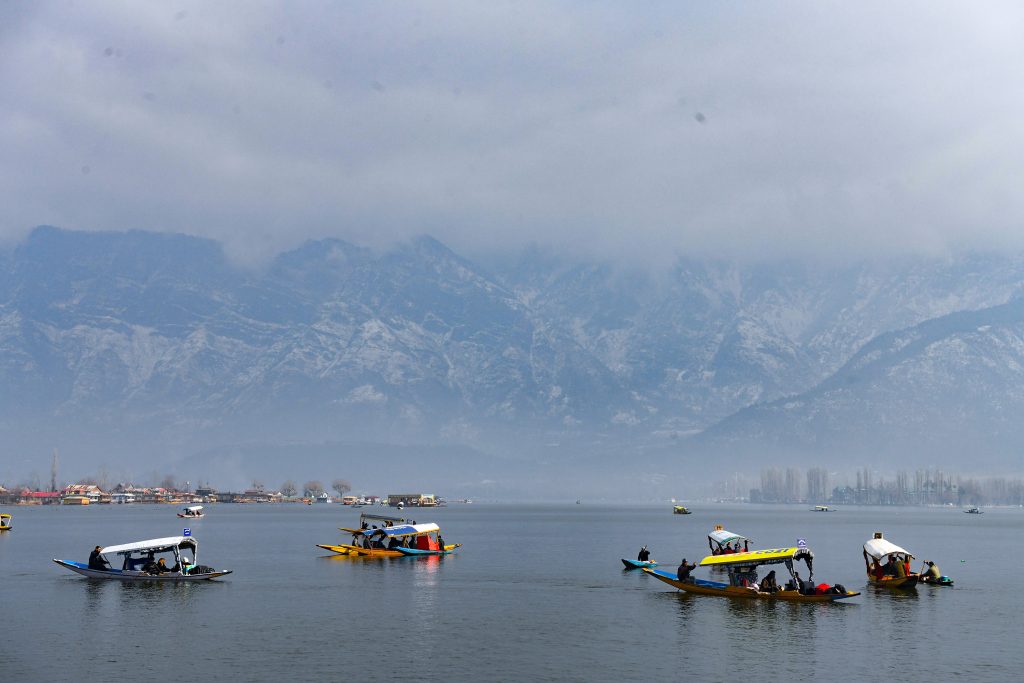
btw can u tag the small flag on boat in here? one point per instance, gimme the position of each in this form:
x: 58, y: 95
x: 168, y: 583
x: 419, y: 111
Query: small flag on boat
x: 186, y: 532
x: 801, y: 543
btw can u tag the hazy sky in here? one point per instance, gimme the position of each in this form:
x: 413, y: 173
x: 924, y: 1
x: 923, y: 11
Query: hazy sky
x: 647, y: 129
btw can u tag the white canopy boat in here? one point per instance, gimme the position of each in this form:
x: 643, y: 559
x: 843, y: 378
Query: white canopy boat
x: 192, y: 511
x: 142, y: 555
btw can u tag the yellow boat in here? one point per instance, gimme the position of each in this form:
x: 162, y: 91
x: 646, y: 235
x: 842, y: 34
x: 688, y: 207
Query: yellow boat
x: 5, y: 522
x: 386, y: 541
x: 340, y: 549
x: 742, y: 568
x: 895, y: 573
x: 680, y: 510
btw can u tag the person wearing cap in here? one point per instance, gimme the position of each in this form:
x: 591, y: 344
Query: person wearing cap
x: 644, y: 555
x: 97, y: 561
x: 683, y: 573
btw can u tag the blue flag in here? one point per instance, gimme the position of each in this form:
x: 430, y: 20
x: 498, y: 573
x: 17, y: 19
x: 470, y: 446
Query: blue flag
x: 186, y: 532
x: 801, y: 543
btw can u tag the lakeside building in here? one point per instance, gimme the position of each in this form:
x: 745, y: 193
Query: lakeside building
x: 82, y: 494
x: 422, y: 500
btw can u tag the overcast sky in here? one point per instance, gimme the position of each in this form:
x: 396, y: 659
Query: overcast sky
x: 646, y: 129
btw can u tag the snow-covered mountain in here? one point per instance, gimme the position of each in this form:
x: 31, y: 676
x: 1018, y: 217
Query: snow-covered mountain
x: 109, y: 340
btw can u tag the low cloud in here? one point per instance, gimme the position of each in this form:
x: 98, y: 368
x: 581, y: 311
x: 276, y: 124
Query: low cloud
x: 788, y: 130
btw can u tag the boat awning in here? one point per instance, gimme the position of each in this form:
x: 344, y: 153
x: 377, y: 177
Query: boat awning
x: 879, y: 548
x: 4, y: 516
x: 156, y: 545
x: 404, y: 530
x: 194, y: 508
x: 383, y: 518
x: 756, y: 557
x: 721, y: 537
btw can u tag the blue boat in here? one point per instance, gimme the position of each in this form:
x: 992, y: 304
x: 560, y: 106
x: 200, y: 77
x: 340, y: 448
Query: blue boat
x: 419, y: 552
x: 637, y: 564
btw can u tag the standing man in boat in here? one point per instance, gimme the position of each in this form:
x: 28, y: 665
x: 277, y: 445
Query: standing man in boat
x: 644, y: 555
x: 683, y: 573
x: 97, y: 561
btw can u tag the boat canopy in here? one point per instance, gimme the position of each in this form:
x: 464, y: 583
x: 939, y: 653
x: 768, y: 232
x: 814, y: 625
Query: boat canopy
x: 757, y: 557
x: 156, y: 545
x: 4, y: 515
x: 383, y: 518
x: 194, y: 508
x: 721, y: 537
x: 403, y: 530
x: 879, y: 548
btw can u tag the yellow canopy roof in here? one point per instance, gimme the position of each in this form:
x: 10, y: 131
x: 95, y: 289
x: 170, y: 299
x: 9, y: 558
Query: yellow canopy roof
x: 767, y: 556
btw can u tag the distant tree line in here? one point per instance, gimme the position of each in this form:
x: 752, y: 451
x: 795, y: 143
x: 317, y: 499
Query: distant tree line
x: 922, y: 487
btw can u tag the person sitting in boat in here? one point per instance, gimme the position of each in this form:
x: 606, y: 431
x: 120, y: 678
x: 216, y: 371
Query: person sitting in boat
x: 769, y: 584
x: 899, y: 569
x: 440, y: 543
x: 932, y: 572
x: 683, y: 573
x: 644, y: 555
x: 97, y: 561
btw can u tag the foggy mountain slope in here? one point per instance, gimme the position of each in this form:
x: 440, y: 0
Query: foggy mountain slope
x: 108, y: 340
x: 950, y: 389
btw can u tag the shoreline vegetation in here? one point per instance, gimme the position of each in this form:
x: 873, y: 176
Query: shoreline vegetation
x: 922, y: 487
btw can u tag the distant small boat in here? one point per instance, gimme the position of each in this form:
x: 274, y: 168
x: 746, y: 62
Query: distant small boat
x: 637, y: 564
x: 975, y: 510
x: 680, y: 510
x: 822, y: 508
x: 193, y: 512
x: 722, y: 542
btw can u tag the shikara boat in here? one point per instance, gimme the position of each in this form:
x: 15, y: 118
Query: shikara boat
x: 637, y: 564
x: 721, y: 542
x: 975, y: 510
x: 895, y: 573
x: 192, y: 512
x: 391, y: 541
x: 139, y: 554
x: 742, y: 568
x: 5, y: 522
x: 680, y: 510
x: 822, y: 508
x: 941, y: 581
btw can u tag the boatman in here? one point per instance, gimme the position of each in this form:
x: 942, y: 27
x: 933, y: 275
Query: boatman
x: 932, y: 572
x: 644, y: 555
x: 683, y: 573
x: 97, y: 561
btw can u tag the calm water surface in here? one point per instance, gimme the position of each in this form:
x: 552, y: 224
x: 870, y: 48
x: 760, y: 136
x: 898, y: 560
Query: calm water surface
x: 537, y: 593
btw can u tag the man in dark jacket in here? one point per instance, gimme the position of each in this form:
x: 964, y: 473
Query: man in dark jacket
x: 97, y: 561
x: 644, y: 555
x: 683, y: 573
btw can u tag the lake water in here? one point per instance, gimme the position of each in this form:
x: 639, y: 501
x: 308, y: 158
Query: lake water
x: 537, y: 593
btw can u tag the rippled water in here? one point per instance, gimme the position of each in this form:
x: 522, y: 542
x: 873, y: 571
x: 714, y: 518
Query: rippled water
x: 536, y: 593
